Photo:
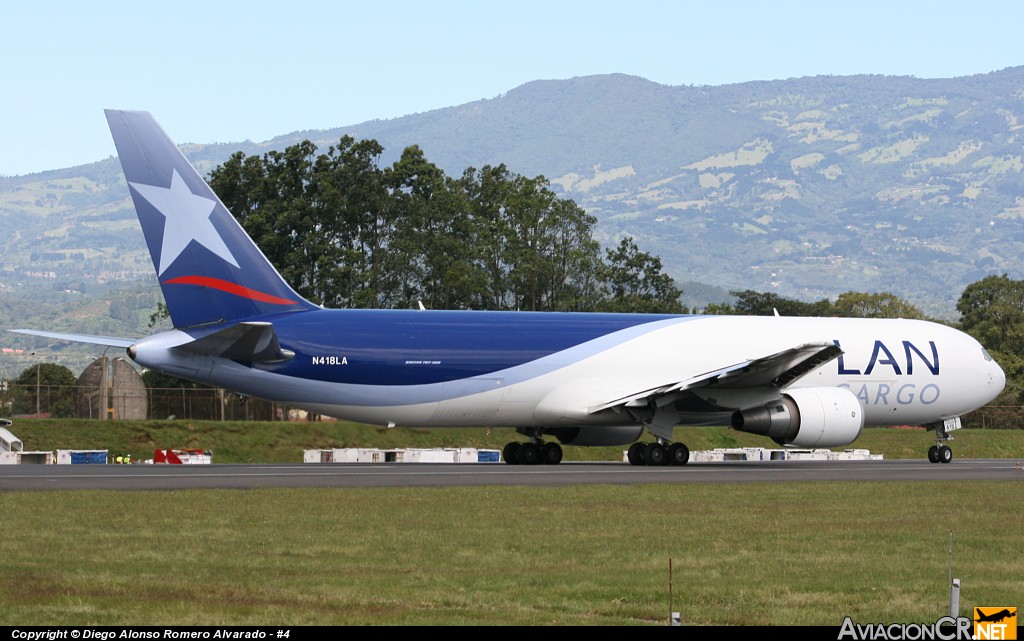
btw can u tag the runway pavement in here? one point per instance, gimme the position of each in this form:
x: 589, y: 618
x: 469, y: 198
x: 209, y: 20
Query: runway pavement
x: 353, y: 475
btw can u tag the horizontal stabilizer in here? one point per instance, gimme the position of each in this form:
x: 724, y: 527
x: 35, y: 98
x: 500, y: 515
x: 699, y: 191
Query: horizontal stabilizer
x: 249, y: 342
x: 110, y: 341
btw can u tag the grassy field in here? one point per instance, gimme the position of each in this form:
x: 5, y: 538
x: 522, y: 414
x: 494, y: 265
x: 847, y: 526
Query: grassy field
x: 278, y: 442
x: 741, y: 554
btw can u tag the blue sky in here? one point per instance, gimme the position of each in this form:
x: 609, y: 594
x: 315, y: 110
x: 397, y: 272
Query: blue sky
x: 224, y: 71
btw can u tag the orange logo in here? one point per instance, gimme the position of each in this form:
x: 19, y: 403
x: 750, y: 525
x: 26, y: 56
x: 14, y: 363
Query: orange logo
x: 995, y: 623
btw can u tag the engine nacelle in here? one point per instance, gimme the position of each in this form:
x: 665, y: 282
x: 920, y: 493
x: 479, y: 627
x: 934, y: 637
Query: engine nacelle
x: 597, y: 436
x: 806, y: 417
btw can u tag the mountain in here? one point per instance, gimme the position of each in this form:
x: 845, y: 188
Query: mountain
x: 808, y: 187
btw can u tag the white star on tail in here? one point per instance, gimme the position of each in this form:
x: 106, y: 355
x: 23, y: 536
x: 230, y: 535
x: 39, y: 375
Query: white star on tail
x: 186, y: 218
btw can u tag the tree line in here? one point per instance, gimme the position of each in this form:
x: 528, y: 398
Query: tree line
x: 346, y: 232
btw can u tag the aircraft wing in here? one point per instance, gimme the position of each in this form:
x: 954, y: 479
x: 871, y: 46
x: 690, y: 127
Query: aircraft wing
x: 776, y: 370
x: 110, y: 341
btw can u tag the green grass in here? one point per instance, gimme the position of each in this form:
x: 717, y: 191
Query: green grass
x: 741, y: 554
x: 779, y: 554
x: 278, y: 442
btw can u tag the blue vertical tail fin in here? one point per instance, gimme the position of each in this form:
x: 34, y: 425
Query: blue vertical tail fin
x: 209, y: 269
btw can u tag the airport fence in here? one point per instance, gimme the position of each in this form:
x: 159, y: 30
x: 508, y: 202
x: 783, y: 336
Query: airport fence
x: 76, y: 401
x: 213, y: 404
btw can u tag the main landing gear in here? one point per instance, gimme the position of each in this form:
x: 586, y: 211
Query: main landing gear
x: 658, y: 453
x: 534, y: 452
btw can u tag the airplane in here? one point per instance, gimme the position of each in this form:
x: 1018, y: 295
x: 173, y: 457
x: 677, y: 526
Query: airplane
x: 557, y: 378
x: 994, y: 617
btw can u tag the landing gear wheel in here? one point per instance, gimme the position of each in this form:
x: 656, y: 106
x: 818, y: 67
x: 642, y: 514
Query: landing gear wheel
x: 529, y: 454
x: 551, y: 453
x: 941, y: 453
x: 635, y: 453
x: 511, y: 453
x: 678, y: 454
x: 655, y: 454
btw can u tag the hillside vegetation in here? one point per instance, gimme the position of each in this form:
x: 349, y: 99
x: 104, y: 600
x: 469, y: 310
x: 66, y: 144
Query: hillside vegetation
x: 807, y: 187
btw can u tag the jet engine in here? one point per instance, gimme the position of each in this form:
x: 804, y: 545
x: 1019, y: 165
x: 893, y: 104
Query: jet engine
x: 806, y: 417
x: 597, y: 436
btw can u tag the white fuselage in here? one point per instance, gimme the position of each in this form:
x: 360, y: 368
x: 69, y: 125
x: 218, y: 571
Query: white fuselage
x: 901, y: 371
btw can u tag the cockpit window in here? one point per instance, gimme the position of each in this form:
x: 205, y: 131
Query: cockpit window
x: 984, y: 352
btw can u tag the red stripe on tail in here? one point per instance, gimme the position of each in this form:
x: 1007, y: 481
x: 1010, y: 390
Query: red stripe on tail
x: 230, y: 288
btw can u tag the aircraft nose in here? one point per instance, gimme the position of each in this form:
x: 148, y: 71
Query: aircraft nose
x: 997, y: 377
